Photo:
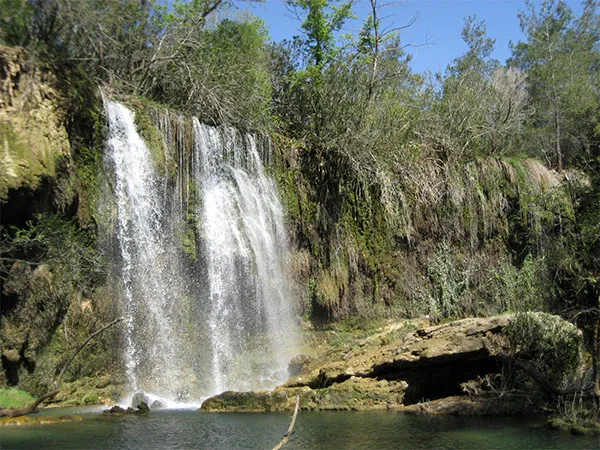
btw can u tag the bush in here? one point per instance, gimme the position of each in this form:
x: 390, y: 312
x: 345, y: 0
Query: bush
x: 551, y: 344
x: 14, y: 398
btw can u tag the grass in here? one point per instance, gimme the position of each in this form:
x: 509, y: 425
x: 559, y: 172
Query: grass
x: 14, y: 398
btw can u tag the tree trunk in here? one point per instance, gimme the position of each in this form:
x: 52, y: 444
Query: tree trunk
x: 596, y: 357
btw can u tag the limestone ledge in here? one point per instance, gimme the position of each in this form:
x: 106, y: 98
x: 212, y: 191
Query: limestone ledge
x: 390, y: 376
x: 43, y: 420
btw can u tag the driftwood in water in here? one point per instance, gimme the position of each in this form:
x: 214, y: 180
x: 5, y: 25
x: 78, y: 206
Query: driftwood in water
x: 288, y: 434
x: 35, y: 406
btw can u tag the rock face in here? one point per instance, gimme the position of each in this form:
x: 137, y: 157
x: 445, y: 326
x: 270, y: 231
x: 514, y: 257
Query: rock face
x: 430, y: 363
x: 33, y: 137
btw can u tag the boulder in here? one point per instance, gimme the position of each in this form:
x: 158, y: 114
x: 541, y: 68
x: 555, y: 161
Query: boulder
x: 299, y: 364
x: 138, y: 399
x: 158, y: 404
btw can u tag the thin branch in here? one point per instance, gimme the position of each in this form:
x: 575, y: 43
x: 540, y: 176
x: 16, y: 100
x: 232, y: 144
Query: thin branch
x: 288, y: 434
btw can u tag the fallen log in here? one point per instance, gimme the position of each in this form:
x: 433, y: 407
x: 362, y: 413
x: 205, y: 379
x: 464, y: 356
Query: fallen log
x: 288, y: 434
x: 35, y: 406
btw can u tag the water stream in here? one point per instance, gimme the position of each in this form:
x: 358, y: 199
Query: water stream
x: 217, y: 313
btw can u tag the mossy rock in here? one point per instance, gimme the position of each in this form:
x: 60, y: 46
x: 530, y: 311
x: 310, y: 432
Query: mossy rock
x: 575, y: 427
x: 33, y: 137
x: 43, y: 420
x: 361, y: 394
x: 353, y: 394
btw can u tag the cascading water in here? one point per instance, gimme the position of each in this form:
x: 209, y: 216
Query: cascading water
x: 148, y: 269
x: 246, y: 246
x: 224, y: 318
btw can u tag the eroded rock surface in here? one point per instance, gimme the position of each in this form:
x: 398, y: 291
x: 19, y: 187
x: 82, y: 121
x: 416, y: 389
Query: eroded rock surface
x: 430, y: 363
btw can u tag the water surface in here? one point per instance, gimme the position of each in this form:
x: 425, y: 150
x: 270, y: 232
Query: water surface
x: 188, y: 429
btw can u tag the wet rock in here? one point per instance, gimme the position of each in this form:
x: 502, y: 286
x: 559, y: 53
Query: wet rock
x: 118, y: 411
x: 352, y: 394
x: 298, y: 365
x: 158, y: 404
x: 16, y: 421
x: 143, y: 408
x: 114, y: 411
x: 260, y: 401
x: 474, y: 406
x: 138, y: 399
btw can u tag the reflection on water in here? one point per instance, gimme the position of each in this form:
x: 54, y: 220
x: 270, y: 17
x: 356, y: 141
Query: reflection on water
x: 188, y: 429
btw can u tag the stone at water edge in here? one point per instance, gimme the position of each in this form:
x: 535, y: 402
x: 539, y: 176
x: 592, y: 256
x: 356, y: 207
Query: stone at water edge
x: 138, y: 399
x: 118, y: 411
x: 158, y: 404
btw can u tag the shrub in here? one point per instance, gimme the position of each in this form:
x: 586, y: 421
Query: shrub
x: 551, y: 344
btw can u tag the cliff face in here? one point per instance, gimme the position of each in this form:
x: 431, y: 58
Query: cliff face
x: 51, y: 274
x: 428, y: 238
x: 35, y: 174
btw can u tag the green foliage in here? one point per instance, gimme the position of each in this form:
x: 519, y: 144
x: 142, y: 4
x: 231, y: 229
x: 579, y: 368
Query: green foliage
x: 480, y: 108
x: 323, y: 19
x: 561, y: 59
x: 176, y: 55
x: 14, y: 398
x: 449, y: 284
x: 552, y: 344
x: 51, y: 270
x: 579, y: 416
x: 14, y: 22
x: 524, y: 289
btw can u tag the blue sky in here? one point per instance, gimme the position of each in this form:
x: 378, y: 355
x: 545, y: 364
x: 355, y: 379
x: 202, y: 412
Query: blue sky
x: 435, y: 34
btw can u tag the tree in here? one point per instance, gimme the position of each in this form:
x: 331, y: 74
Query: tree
x: 221, y: 76
x: 382, y: 45
x: 323, y: 19
x: 479, y: 105
x: 560, y: 57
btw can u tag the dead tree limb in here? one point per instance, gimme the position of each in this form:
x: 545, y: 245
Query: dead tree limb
x: 35, y: 406
x: 288, y: 434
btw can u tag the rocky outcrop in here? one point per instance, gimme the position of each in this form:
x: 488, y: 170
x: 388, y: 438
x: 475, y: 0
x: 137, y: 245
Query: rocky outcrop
x: 354, y: 393
x: 34, y: 144
x: 469, y: 406
x: 430, y: 363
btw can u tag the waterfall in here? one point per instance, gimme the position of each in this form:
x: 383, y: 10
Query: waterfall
x: 246, y: 247
x: 222, y: 318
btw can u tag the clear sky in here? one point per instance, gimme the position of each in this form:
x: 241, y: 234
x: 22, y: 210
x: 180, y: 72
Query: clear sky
x: 435, y: 34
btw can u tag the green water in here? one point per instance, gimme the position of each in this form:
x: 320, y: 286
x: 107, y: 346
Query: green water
x: 187, y: 429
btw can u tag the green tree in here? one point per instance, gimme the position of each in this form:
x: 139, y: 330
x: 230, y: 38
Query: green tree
x: 561, y: 59
x: 323, y: 19
x: 14, y: 22
x: 481, y: 105
x: 224, y: 78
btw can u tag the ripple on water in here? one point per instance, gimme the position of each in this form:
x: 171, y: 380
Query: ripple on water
x: 188, y: 429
